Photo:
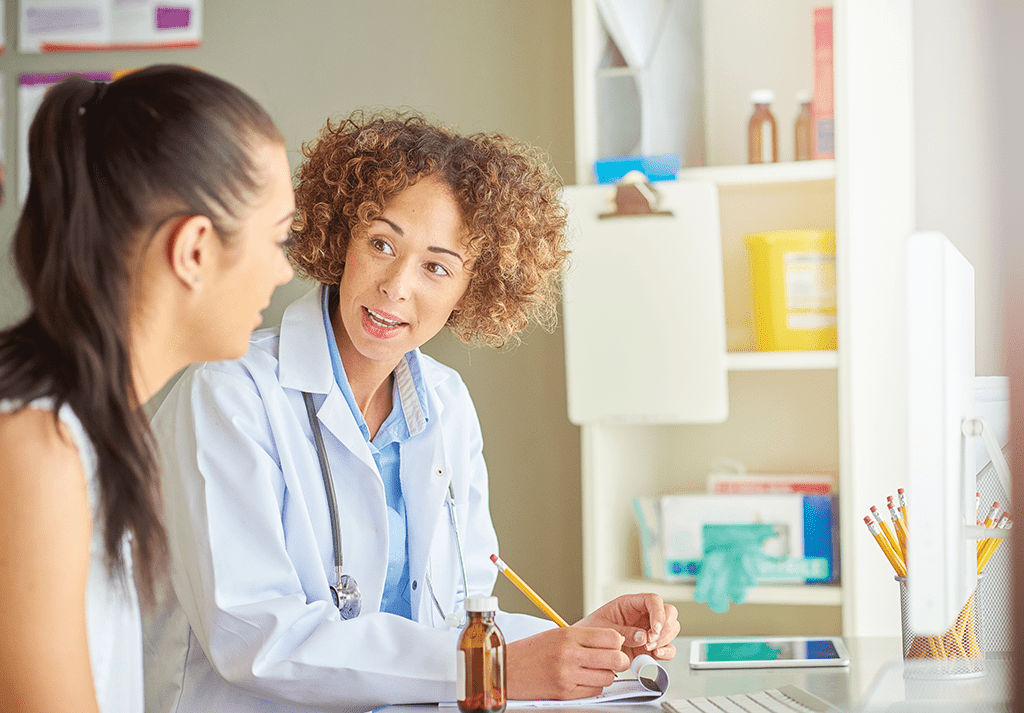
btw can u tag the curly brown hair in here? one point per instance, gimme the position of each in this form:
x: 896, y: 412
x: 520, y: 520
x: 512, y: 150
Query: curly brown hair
x: 507, y: 193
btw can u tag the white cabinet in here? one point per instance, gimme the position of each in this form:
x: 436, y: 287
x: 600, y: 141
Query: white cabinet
x: 839, y: 412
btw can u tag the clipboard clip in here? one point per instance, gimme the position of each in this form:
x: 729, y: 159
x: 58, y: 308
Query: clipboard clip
x: 634, y: 196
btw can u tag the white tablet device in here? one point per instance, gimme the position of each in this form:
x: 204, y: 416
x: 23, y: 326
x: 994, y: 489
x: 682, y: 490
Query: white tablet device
x: 769, y: 652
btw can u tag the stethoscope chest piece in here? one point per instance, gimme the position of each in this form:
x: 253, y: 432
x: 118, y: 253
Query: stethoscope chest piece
x: 346, y: 596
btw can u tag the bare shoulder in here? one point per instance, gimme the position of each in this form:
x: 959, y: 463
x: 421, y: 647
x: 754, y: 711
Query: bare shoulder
x: 40, y: 468
x: 44, y: 566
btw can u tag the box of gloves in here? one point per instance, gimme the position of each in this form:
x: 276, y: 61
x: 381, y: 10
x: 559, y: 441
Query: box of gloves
x: 800, y: 544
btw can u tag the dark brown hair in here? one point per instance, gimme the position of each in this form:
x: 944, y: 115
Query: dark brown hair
x: 506, y: 191
x: 109, y: 164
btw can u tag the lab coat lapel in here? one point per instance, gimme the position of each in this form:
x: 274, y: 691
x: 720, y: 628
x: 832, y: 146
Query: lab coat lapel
x: 305, y: 364
x: 425, y: 478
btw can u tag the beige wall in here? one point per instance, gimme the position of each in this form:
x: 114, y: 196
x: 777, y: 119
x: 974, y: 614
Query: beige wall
x: 499, y: 65
x: 956, y: 146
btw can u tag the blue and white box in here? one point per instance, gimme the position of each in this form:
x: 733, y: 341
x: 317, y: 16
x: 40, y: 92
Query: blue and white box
x: 805, y: 548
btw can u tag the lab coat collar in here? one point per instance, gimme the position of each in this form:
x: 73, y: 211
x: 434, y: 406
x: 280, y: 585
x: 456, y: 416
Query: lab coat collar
x: 304, y: 363
x: 304, y: 359
x: 412, y: 409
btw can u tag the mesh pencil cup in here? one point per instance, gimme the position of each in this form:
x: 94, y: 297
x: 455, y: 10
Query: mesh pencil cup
x: 958, y: 653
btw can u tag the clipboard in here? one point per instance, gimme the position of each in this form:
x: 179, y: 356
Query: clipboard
x: 644, y: 307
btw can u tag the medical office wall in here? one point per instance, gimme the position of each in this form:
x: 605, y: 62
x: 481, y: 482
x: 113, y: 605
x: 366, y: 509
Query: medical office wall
x: 502, y: 65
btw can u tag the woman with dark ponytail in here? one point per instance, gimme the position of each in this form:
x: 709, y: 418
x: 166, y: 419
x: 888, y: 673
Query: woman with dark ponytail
x: 152, y: 237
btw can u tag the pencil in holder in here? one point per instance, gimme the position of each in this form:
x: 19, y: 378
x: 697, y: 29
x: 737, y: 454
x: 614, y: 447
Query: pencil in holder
x: 958, y: 653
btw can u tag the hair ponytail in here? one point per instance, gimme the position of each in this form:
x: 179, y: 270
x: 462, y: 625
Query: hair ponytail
x: 104, y: 161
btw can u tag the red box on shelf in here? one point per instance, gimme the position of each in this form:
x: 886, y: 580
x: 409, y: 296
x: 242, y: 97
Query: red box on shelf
x: 822, y: 106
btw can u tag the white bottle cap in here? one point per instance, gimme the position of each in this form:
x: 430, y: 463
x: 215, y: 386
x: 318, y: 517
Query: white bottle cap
x: 803, y: 96
x: 481, y: 604
x: 762, y: 96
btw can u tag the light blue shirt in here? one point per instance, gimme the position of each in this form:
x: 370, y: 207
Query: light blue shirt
x: 386, y: 448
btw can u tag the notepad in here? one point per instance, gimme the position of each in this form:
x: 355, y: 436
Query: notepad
x: 649, y: 686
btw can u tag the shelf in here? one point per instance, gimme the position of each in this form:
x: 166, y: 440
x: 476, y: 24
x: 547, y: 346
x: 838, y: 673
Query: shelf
x: 605, y: 72
x: 781, y: 361
x: 826, y: 595
x: 763, y: 173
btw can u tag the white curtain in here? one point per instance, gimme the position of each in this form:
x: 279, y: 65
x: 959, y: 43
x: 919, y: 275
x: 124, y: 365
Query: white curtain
x: 661, y: 40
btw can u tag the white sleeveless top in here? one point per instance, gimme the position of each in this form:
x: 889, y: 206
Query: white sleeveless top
x: 112, y: 614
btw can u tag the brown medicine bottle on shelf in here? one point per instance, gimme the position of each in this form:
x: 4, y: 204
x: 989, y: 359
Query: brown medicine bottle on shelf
x: 480, y: 686
x: 762, y: 132
x: 803, y: 129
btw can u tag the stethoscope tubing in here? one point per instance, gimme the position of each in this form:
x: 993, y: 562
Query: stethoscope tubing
x: 325, y: 469
x: 332, y: 505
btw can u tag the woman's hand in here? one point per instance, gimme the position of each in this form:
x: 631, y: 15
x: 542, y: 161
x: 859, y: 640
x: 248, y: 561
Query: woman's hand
x: 645, y: 621
x: 564, y: 663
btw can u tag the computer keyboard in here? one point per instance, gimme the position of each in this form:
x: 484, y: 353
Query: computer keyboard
x: 784, y: 699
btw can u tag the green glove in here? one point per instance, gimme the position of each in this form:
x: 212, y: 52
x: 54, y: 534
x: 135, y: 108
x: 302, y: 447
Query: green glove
x: 730, y: 564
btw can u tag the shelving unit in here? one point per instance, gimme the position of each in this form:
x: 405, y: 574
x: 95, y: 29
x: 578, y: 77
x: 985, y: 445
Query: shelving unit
x: 788, y: 411
x: 780, y: 361
x: 764, y: 173
x: 799, y: 595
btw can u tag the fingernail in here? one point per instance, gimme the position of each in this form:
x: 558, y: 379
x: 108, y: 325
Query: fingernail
x: 657, y: 629
x: 651, y: 645
x: 659, y: 652
x: 638, y: 637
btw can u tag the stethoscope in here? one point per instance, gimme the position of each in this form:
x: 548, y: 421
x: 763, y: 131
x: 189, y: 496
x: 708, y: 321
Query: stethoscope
x: 346, y: 593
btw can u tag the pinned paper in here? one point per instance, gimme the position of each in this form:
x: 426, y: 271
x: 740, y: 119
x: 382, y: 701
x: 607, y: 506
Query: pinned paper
x: 77, y: 25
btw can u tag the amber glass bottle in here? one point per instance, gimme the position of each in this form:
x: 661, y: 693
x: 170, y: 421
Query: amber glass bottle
x: 762, y: 132
x: 803, y: 129
x: 480, y: 687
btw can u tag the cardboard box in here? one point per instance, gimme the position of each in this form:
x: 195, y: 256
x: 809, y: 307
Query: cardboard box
x: 822, y: 104
x: 805, y: 550
x: 762, y: 483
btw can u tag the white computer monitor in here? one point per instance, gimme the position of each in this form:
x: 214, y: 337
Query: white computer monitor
x: 942, y: 562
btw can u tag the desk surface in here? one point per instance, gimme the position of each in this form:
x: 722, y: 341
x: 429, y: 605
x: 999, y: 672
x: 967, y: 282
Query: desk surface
x: 843, y: 686
x: 875, y: 675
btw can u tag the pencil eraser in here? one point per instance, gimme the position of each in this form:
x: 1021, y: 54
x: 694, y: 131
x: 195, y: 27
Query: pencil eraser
x: 494, y: 559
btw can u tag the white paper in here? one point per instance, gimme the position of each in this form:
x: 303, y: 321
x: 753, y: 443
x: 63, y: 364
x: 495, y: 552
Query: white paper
x: 70, y: 25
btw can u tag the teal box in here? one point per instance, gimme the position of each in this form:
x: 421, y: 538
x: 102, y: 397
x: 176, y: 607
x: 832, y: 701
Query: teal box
x: 804, y: 550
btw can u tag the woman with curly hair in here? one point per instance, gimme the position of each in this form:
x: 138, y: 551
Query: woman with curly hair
x: 326, y: 495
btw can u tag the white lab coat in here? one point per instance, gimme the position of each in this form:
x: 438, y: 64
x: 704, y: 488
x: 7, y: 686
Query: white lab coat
x: 250, y: 624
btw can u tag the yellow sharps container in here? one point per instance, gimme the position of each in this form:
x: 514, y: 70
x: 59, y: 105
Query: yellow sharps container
x: 793, y: 276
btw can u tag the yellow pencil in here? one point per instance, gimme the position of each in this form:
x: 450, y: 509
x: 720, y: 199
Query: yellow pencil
x: 890, y: 553
x: 990, y: 522
x: 885, y: 529
x: 525, y: 589
x: 993, y: 543
x: 901, y: 531
x: 902, y: 495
